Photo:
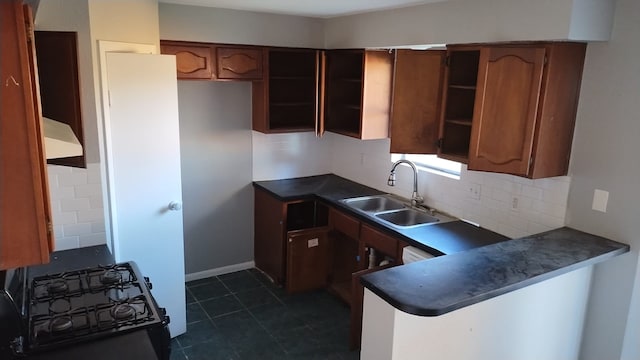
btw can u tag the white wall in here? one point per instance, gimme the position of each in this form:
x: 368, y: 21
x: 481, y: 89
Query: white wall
x: 540, y: 321
x: 194, y: 23
x: 280, y: 156
x: 216, y: 157
x: 605, y: 156
x: 76, y: 193
x: 466, y: 21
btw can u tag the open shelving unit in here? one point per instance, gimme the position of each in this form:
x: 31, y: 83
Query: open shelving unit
x: 459, y: 101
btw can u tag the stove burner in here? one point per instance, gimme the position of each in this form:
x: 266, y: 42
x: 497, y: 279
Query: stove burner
x: 60, y: 324
x: 110, y: 277
x: 58, y: 286
x: 60, y: 306
x: 123, y: 311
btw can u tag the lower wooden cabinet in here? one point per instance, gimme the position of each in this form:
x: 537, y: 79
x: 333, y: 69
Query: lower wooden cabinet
x: 307, y: 259
x: 304, y: 245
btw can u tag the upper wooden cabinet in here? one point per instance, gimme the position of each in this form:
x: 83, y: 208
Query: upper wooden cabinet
x: 525, y: 109
x: 201, y: 61
x: 238, y: 63
x: 193, y: 60
x: 58, y: 69
x: 415, y: 110
x: 458, y: 102
x: 25, y: 217
x: 288, y: 99
x: 358, y: 93
x: 342, y: 91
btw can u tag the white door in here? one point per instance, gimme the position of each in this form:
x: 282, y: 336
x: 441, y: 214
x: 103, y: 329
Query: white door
x: 143, y: 165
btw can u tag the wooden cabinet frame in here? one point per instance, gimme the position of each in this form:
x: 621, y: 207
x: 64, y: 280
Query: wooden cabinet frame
x: 25, y: 215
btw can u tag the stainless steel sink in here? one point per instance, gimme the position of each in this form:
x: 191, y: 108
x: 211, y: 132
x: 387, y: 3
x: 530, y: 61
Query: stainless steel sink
x: 394, y: 211
x: 407, y: 217
x: 375, y: 204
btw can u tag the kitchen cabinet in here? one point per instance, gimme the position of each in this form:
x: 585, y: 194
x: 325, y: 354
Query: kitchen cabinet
x: 291, y: 244
x: 344, y: 237
x: 58, y: 69
x: 238, y: 62
x: 25, y: 216
x: 203, y: 61
x: 288, y: 99
x: 458, y: 101
x: 417, y: 92
x: 358, y: 93
x: 525, y: 108
x: 194, y: 61
x: 383, y: 250
x: 307, y: 260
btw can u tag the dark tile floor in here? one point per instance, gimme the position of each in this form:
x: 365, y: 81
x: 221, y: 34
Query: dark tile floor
x: 242, y: 315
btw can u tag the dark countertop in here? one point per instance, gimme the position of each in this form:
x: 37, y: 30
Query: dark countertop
x: 447, y: 283
x: 479, y: 265
x: 74, y: 259
x: 437, y: 239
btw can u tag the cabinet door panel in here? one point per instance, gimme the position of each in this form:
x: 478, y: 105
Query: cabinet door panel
x: 307, y: 260
x: 344, y: 224
x: 193, y: 61
x: 25, y: 217
x: 239, y: 63
x: 506, y: 109
x: 417, y: 89
x: 269, y: 232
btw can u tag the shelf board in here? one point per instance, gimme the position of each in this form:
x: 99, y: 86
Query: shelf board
x: 349, y: 80
x: 286, y: 104
x: 462, y: 87
x: 463, y: 122
x: 458, y: 156
x: 293, y: 77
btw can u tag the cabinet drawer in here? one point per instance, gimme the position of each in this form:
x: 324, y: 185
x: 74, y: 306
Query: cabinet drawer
x: 379, y: 241
x: 345, y: 224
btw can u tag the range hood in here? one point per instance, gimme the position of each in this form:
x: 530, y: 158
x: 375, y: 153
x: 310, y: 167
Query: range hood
x: 59, y: 140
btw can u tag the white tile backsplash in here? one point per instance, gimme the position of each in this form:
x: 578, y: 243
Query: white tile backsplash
x: 76, y: 206
x: 539, y: 205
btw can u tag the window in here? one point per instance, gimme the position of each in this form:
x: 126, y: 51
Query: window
x: 432, y: 163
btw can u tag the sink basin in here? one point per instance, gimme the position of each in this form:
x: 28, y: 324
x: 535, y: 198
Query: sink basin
x: 374, y: 204
x: 407, y: 217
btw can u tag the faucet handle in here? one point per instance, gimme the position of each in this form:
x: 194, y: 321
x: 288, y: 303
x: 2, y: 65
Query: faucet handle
x: 416, y: 199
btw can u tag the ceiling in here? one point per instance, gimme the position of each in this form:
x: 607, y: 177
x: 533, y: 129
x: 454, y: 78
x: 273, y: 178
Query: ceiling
x: 311, y: 8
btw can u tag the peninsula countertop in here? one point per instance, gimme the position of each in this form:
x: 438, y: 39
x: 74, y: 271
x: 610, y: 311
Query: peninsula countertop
x: 479, y: 265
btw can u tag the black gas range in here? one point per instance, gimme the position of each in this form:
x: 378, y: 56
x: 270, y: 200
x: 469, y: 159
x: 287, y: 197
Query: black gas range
x: 56, y: 312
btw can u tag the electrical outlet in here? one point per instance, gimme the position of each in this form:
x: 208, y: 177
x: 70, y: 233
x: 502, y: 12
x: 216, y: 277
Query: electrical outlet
x: 514, y: 203
x: 600, y: 199
x: 474, y: 191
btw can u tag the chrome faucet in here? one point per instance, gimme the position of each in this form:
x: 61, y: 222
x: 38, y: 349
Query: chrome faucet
x: 416, y: 199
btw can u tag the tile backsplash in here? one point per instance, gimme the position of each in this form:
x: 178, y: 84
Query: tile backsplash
x: 510, y: 205
x: 76, y: 206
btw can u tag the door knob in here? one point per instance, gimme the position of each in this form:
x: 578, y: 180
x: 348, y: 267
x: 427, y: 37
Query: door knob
x: 175, y: 206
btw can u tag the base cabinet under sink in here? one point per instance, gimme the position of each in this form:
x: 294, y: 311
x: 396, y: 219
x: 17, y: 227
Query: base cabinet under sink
x: 307, y: 259
x: 305, y: 245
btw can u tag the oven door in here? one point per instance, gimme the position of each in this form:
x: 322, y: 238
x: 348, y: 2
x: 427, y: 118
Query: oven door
x: 11, y: 290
